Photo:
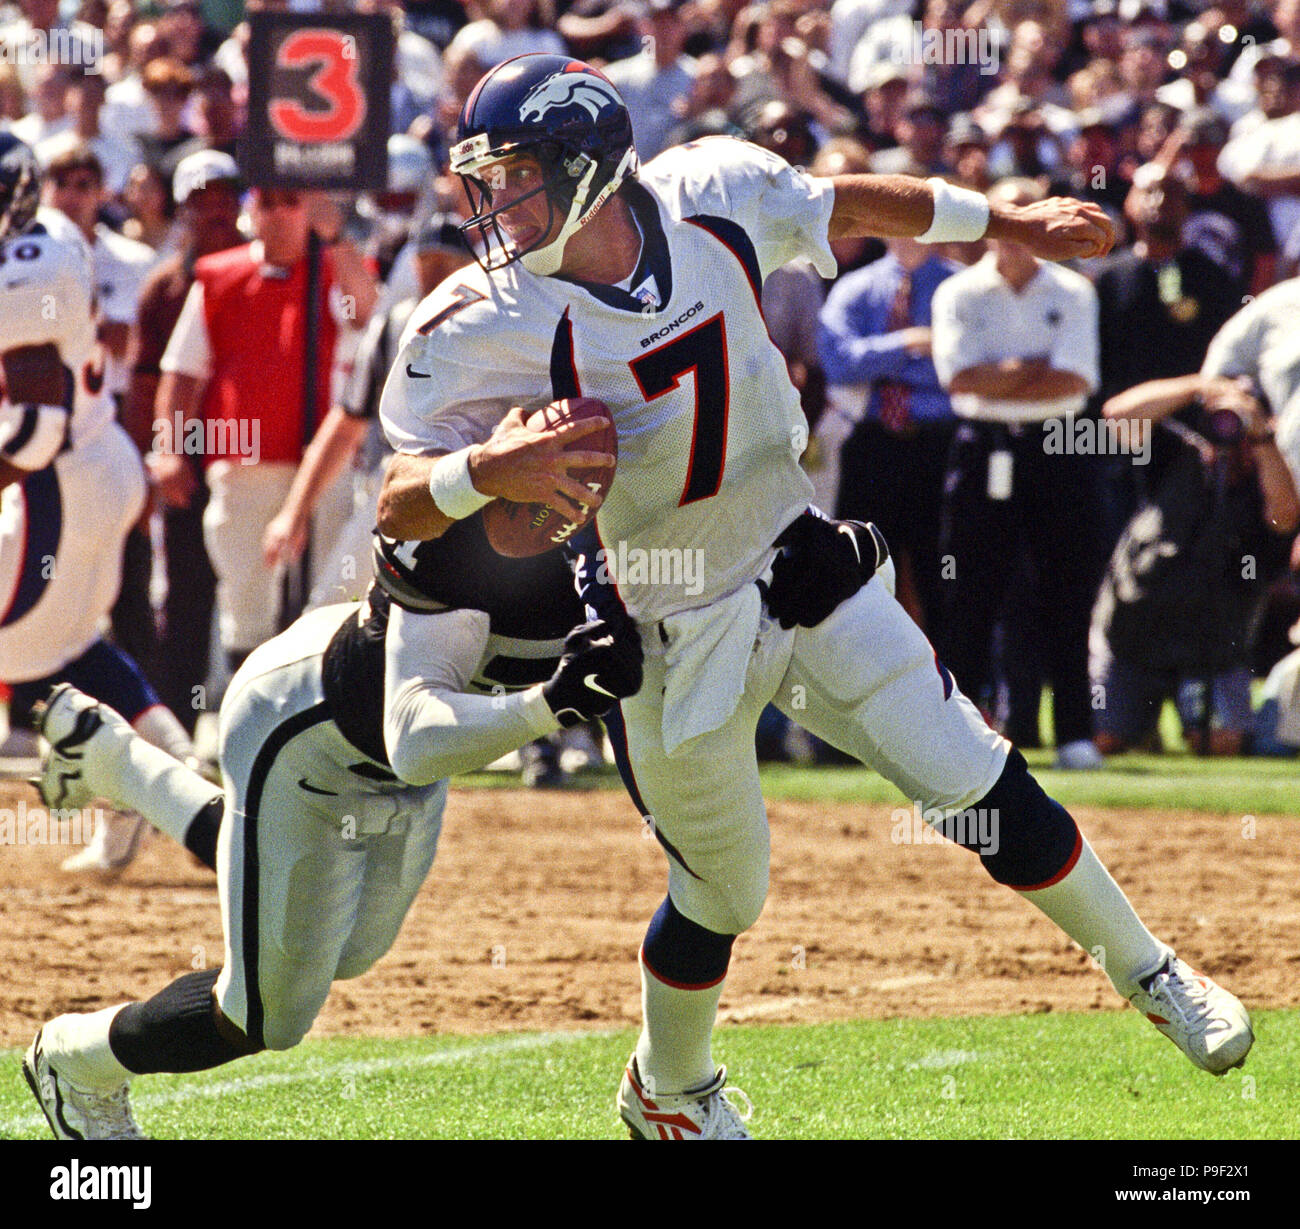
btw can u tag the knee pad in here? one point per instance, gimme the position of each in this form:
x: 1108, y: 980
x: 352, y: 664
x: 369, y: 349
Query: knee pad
x: 1024, y: 838
x: 682, y: 953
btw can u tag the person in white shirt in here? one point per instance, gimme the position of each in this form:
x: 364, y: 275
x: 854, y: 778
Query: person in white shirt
x: 1266, y: 161
x: 48, y: 115
x: 84, y: 98
x: 658, y: 77
x: 1015, y: 344
x: 1261, y: 342
x: 74, y: 185
x: 508, y: 30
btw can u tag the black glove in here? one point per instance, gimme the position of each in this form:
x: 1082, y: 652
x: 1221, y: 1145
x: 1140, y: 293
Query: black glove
x: 601, y: 665
x: 822, y: 563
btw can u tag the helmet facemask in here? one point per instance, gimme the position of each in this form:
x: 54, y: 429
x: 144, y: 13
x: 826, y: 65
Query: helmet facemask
x: 568, y: 176
x: 19, y: 191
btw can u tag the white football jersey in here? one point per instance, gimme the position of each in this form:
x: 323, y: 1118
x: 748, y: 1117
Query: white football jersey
x: 47, y: 294
x: 710, y: 429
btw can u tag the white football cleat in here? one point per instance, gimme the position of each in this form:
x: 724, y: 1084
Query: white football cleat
x: 699, y: 1113
x: 118, y: 838
x: 68, y: 719
x: 75, y: 1112
x: 1202, y: 1019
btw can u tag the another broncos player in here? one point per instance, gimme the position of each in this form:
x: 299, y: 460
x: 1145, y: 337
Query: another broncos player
x: 336, y: 739
x: 642, y: 288
x: 73, y: 487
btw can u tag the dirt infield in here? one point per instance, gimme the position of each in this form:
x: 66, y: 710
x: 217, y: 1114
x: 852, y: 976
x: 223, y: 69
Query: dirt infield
x: 532, y: 917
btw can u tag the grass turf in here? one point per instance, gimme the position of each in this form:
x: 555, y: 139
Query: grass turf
x: 1171, y: 782
x: 1104, y: 1075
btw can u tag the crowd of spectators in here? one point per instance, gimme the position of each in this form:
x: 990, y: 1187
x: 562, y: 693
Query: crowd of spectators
x: 968, y: 400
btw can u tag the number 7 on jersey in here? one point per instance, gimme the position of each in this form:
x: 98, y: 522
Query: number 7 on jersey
x: 702, y: 351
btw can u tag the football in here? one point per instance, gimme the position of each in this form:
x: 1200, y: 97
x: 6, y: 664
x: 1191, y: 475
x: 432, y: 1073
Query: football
x: 520, y: 530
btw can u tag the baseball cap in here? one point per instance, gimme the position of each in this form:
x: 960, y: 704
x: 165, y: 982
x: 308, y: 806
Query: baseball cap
x: 201, y: 169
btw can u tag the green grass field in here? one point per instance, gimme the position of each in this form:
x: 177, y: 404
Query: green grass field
x: 1170, y: 782
x: 1062, y: 1076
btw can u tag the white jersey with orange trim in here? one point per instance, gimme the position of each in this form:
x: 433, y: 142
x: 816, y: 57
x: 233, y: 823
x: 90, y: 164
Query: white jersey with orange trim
x: 47, y: 296
x: 710, y: 429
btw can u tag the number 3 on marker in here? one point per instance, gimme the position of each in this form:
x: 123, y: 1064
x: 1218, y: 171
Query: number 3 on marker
x: 334, y: 81
x: 702, y: 351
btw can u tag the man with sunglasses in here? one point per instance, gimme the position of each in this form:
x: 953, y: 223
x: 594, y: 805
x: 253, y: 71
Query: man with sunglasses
x: 231, y: 391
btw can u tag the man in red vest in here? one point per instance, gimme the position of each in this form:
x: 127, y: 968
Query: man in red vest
x: 232, y: 391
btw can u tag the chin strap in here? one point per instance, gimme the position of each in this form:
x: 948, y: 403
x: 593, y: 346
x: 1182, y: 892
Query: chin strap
x: 545, y: 261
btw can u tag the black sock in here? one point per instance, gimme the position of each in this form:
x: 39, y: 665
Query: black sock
x: 201, y: 835
x: 176, y: 1030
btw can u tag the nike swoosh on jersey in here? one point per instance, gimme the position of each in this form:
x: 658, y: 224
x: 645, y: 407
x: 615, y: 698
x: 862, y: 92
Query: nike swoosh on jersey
x: 590, y: 681
x: 311, y: 789
x: 418, y: 375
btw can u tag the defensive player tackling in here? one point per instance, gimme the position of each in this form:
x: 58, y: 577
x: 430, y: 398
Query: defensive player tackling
x: 640, y: 286
x: 336, y: 740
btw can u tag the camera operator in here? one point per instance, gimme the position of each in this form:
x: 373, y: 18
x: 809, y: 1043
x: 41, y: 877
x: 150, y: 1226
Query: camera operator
x: 1174, y: 614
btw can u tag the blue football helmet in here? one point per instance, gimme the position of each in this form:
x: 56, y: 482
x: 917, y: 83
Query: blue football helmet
x: 20, y: 186
x: 567, y: 116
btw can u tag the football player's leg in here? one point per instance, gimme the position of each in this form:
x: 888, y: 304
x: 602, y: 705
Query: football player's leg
x: 288, y: 858
x: 870, y: 684
x: 96, y: 753
x: 289, y: 887
x: 705, y: 808
x: 398, y: 856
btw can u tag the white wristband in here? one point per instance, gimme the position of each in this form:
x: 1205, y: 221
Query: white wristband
x: 960, y: 214
x: 452, y: 491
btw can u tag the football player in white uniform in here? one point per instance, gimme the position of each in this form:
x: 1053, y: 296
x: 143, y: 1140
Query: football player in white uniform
x: 336, y: 741
x: 73, y: 487
x: 642, y: 288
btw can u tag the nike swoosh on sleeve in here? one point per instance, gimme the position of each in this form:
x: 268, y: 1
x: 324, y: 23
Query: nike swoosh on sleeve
x: 418, y: 375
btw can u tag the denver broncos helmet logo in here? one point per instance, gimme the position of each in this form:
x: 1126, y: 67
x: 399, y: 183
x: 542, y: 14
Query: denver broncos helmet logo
x: 582, y: 89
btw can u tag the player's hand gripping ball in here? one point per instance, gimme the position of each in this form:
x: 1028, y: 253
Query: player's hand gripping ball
x: 519, y: 530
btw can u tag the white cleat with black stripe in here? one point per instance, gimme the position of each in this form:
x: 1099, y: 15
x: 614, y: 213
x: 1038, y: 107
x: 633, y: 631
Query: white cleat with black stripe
x: 73, y: 1111
x: 68, y: 719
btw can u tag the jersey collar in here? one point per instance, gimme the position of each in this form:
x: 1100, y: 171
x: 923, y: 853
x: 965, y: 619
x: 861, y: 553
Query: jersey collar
x: 653, y: 262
